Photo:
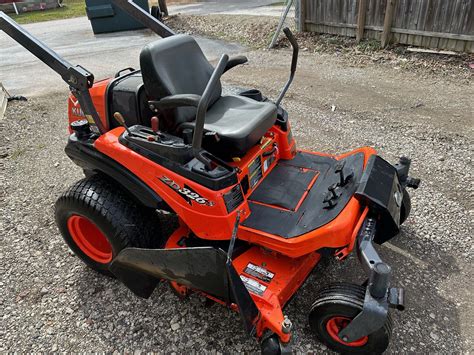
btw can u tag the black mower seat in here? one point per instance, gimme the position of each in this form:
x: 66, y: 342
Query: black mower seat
x: 176, y: 65
x: 239, y: 122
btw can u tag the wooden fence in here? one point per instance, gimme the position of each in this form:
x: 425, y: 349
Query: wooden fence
x: 442, y: 24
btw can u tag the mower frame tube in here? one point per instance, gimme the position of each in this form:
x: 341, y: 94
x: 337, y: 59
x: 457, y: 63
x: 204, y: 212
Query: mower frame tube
x: 294, y: 63
x: 379, y: 296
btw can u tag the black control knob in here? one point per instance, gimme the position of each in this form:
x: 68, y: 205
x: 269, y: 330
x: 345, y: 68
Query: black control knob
x: 81, y: 128
x: 188, y: 135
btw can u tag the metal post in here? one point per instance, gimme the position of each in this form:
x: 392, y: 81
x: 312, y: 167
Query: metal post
x: 16, y: 10
x: 280, y: 24
x: 4, y: 95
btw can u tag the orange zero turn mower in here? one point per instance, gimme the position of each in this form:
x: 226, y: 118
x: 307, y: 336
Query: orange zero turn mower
x: 255, y: 214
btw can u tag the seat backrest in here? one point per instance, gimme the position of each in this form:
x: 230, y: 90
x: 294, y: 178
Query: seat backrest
x: 176, y: 65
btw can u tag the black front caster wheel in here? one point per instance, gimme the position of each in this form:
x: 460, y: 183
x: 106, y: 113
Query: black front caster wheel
x: 335, y: 306
x: 271, y: 345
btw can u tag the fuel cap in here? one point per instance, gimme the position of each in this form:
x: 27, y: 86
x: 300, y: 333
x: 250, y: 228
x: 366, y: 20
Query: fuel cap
x: 81, y: 128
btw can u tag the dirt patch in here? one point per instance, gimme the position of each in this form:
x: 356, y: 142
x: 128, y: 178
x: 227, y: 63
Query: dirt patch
x: 256, y: 32
x: 252, y: 31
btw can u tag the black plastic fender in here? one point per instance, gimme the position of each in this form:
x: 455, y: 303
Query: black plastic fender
x: 83, y: 154
x: 201, y: 268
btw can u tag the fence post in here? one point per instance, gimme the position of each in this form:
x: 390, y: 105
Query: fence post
x: 387, y: 23
x: 302, y: 15
x: 361, y: 20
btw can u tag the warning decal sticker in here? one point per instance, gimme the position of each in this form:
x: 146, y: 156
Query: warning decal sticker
x: 259, y: 272
x: 253, y: 286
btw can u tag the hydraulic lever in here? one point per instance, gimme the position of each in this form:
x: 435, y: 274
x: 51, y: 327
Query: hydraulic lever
x: 121, y: 121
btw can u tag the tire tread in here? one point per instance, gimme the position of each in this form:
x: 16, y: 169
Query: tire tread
x: 134, y: 225
x: 344, y: 294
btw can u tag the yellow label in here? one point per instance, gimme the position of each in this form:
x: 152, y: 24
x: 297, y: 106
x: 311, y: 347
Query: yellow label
x: 266, y: 143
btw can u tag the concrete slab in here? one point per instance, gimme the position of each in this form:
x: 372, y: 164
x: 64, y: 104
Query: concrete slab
x: 105, y: 54
x: 230, y: 7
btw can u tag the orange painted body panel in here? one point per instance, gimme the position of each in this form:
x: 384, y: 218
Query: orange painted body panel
x: 212, y: 221
x: 206, y: 221
x: 97, y: 92
x: 289, y: 275
x: 264, y: 147
x: 286, y: 142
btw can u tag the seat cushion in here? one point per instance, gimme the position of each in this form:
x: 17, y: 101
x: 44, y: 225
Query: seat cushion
x: 176, y: 65
x: 239, y: 122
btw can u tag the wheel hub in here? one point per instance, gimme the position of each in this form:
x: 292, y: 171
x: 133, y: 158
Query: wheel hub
x: 89, y: 238
x: 336, y: 324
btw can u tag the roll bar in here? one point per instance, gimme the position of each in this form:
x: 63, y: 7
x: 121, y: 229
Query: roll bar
x: 294, y: 63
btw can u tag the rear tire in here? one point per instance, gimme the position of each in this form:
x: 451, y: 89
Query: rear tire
x: 97, y: 219
x: 335, y: 306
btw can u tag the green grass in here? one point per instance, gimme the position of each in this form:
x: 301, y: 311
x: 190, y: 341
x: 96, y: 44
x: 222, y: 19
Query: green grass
x: 69, y: 10
x: 369, y: 45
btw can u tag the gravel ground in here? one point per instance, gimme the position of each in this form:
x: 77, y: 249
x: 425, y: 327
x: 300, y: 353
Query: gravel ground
x: 51, y: 302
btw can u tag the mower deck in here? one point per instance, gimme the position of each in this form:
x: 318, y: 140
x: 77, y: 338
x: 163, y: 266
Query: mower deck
x: 290, y: 200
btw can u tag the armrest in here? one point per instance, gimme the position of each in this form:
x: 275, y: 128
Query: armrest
x: 234, y: 61
x: 202, y: 109
x: 174, y: 101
